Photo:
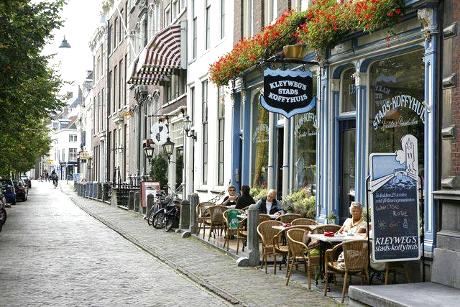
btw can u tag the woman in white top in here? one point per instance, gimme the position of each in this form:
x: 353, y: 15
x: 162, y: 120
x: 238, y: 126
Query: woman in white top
x: 355, y: 224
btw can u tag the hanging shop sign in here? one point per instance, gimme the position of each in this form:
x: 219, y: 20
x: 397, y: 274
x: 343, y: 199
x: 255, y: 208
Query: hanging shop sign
x: 394, y: 202
x: 288, y: 92
x: 390, y: 107
x: 159, y: 133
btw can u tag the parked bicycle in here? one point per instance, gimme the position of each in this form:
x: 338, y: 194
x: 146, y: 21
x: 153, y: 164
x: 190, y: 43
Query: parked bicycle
x: 168, y: 213
x: 160, y: 201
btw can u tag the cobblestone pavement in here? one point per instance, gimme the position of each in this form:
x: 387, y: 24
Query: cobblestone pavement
x: 53, y: 253
x: 203, y: 264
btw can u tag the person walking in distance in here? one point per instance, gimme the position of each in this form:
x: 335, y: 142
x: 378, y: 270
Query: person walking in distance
x: 54, y: 178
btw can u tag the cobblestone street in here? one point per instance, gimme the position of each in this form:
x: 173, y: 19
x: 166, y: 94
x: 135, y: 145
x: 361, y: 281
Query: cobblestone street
x: 53, y: 253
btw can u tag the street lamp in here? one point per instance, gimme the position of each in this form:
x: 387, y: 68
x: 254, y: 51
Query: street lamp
x: 148, y: 151
x: 189, y: 132
x: 64, y: 43
x: 168, y: 148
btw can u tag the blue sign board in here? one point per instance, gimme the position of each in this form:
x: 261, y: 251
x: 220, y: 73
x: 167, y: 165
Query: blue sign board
x: 394, y: 203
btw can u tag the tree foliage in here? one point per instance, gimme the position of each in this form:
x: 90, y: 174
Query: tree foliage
x: 159, y: 170
x: 28, y: 86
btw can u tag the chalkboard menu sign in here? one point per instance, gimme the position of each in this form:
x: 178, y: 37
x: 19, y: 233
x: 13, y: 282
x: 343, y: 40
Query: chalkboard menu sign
x: 288, y: 92
x: 394, y: 203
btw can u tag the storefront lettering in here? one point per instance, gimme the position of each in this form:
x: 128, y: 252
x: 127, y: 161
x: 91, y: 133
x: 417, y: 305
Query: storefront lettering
x: 288, y: 83
x: 396, y: 102
x: 260, y: 134
x: 287, y: 99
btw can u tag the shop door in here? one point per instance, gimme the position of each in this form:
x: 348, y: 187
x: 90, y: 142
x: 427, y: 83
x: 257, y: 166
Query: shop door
x: 347, y: 150
x: 279, y: 175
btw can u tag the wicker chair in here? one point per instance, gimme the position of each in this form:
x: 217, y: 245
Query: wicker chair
x: 264, y: 217
x: 267, y: 233
x: 216, y: 219
x: 237, y: 232
x: 299, y: 252
x: 288, y: 218
x: 356, y: 260
x: 304, y: 221
x: 203, y: 217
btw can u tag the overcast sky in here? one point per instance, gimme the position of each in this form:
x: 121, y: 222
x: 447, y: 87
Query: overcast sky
x: 81, y: 18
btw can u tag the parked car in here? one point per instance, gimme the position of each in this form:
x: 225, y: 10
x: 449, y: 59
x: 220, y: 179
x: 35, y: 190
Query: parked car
x: 27, y: 181
x: 8, y: 190
x: 21, y: 189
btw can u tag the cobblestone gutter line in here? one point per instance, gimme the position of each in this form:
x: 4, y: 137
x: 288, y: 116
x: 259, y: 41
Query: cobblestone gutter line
x: 195, y: 278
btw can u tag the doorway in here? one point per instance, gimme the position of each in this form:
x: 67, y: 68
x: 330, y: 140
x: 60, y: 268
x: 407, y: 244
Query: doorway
x: 347, y: 166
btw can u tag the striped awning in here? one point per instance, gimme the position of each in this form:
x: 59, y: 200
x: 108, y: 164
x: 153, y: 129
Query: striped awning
x: 159, y: 58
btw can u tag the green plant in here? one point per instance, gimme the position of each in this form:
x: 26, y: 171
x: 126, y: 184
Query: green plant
x: 301, y: 202
x: 159, y: 170
x: 331, y: 218
x: 257, y: 193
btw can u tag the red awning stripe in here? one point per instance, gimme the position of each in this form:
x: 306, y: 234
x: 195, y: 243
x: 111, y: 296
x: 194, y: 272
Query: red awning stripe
x: 160, y: 58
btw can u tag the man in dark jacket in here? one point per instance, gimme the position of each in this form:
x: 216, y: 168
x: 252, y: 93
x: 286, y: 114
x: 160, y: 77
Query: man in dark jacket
x: 269, y: 204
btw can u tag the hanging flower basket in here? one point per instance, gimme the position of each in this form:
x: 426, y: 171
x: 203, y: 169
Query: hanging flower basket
x: 248, y: 52
x: 328, y: 21
x: 322, y: 26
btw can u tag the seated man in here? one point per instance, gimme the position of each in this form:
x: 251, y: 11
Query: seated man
x: 269, y: 204
x: 231, y: 198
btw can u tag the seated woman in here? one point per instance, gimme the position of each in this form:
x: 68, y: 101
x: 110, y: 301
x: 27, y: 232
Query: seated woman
x: 231, y: 198
x: 355, y: 224
x: 245, y: 199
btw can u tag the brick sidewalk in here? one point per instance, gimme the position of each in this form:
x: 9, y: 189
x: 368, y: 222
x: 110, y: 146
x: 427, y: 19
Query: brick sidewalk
x: 203, y: 264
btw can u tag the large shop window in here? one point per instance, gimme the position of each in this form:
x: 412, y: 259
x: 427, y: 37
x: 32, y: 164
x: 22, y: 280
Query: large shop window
x: 259, y: 144
x: 304, y: 148
x: 397, y: 103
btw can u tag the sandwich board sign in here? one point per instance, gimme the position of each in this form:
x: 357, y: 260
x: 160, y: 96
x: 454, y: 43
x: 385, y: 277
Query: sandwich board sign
x: 394, y: 201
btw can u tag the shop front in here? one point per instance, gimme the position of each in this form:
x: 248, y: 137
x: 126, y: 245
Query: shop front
x: 371, y: 91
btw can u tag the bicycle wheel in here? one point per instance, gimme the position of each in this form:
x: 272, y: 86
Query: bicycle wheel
x: 169, y: 224
x: 3, y: 216
x: 159, y: 220
x: 150, y: 216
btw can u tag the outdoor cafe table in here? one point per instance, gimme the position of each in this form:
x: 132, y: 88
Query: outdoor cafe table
x: 325, y: 240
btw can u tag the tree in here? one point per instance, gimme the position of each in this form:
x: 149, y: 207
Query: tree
x: 159, y: 170
x: 28, y: 86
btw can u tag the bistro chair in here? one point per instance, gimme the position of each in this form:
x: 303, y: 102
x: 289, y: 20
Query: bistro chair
x: 355, y: 261
x: 203, y: 217
x: 216, y: 219
x: 264, y: 217
x: 233, y: 228
x: 288, y: 218
x: 303, y: 221
x: 267, y: 234
x: 299, y: 252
